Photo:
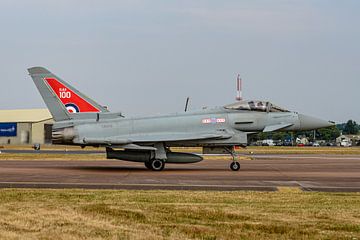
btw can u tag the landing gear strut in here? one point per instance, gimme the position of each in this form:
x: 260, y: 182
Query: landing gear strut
x: 157, y: 161
x: 235, y: 165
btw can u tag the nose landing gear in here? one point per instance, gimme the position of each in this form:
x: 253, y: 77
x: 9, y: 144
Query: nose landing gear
x: 235, y: 165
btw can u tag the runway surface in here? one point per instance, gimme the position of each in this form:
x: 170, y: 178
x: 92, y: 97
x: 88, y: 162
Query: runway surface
x: 266, y: 172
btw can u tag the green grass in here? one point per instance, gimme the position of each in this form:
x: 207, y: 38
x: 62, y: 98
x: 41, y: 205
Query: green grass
x: 255, y: 150
x: 100, y: 214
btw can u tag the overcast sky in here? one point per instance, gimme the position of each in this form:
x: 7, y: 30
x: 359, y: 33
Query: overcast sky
x: 146, y: 57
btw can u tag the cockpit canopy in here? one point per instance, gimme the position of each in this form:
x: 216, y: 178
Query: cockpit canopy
x: 259, y: 106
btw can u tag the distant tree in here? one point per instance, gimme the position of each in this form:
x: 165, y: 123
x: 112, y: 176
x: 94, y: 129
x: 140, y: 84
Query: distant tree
x: 270, y: 135
x: 262, y: 136
x: 280, y: 136
x: 300, y: 134
x: 341, y: 126
x: 351, y: 127
x: 328, y: 134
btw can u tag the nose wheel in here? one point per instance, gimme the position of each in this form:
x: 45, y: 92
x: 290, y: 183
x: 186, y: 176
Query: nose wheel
x: 235, y: 166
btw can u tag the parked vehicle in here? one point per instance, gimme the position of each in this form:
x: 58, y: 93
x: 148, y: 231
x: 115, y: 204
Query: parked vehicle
x: 268, y: 142
x: 345, y: 143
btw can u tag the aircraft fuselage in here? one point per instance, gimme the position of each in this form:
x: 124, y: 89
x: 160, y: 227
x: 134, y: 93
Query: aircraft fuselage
x: 236, y: 125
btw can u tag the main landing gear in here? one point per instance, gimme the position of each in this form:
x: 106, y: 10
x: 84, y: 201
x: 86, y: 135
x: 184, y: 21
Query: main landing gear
x: 235, y: 165
x: 157, y: 161
x: 155, y: 164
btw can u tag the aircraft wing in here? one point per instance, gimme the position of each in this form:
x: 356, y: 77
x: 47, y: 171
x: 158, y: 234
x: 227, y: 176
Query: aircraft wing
x: 131, y: 140
x: 173, y: 137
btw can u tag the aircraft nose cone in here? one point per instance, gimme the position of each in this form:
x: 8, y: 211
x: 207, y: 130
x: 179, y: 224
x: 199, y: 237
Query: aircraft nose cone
x: 311, y: 123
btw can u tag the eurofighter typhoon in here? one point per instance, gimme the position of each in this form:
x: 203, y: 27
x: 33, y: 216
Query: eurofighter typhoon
x: 81, y: 121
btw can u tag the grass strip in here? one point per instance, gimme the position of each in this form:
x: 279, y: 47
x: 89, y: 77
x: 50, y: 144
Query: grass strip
x: 105, y: 214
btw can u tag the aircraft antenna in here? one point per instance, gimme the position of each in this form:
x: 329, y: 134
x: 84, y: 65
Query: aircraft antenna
x: 238, y: 88
x: 187, y: 103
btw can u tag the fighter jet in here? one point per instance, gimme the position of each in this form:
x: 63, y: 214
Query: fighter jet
x: 81, y: 121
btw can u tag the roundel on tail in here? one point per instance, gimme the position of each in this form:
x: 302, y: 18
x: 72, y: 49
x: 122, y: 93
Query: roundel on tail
x: 72, y: 108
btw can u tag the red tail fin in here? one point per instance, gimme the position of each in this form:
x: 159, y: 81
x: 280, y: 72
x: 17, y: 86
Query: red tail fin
x: 72, y: 101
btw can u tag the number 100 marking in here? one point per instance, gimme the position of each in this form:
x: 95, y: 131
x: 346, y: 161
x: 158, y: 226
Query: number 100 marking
x: 65, y: 94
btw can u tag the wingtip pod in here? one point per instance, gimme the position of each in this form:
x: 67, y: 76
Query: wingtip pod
x: 38, y: 70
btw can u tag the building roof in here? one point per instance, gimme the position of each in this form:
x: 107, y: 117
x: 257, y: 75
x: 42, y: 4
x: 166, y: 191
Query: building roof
x: 25, y: 115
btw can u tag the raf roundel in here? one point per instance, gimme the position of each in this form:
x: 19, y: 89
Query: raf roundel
x: 72, y: 108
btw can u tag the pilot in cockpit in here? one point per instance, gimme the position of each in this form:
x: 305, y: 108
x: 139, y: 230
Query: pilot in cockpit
x: 259, y: 106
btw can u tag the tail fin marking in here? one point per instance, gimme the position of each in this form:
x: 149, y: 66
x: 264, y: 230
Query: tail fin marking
x: 61, y: 98
x: 73, y: 102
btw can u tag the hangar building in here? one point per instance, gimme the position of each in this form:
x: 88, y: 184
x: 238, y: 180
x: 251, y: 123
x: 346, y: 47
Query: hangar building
x: 25, y: 126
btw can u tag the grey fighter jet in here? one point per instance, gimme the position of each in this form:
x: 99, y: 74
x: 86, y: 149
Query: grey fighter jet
x: 81, y: 121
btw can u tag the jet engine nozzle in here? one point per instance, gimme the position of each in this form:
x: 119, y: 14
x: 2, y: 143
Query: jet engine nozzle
x: 64, y: 135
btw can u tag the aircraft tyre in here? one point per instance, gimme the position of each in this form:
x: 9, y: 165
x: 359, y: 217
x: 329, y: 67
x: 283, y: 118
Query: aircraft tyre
x: 148, y: 165
x: 235, y: 166
x: 157, y: 164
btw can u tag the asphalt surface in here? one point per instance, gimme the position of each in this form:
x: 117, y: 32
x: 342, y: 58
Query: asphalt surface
x: 265, y: 173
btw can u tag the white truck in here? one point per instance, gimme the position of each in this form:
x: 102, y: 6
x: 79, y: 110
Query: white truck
x: 268, y: 142
x: 345, y: 143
